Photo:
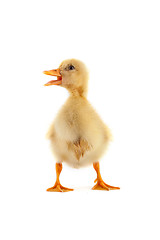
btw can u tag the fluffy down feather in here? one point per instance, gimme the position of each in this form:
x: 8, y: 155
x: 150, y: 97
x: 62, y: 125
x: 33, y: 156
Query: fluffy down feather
x: 78, y: 136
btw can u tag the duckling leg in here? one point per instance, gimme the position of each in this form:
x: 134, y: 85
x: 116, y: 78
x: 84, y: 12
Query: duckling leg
x: 57, y: 186
x: 101, y: 185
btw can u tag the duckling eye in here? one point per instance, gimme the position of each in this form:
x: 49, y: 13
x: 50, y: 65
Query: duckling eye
x: 71, y: 67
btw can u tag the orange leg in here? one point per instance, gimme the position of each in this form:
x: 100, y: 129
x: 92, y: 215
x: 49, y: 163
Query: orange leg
x: 101, y: 185
x: 57, y: 186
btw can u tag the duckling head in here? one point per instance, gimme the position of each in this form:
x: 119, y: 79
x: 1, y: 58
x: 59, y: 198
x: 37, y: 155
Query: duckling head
x: 71, y: 74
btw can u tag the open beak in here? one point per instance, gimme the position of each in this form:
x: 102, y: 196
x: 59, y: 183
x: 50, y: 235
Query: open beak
x: 54, y: 72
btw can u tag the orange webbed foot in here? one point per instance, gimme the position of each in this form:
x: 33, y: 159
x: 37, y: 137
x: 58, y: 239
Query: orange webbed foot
x: 101, y: 185
x: 59, y: 188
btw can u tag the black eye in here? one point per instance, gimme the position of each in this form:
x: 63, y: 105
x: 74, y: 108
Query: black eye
x: 71, y: 67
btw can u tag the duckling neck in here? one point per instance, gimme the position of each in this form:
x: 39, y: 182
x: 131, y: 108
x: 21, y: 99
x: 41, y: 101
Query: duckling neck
x: 78, y: 92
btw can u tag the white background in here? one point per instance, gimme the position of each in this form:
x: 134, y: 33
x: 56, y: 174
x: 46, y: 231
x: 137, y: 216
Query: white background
x: 120, y: 43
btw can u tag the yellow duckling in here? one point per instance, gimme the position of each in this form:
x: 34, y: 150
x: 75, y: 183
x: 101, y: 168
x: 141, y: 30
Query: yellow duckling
x: 78, y: 136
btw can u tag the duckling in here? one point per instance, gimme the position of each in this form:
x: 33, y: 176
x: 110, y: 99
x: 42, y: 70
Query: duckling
x: 77, y: 136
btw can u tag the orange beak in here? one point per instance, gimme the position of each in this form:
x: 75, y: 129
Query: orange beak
x: 54, y: 72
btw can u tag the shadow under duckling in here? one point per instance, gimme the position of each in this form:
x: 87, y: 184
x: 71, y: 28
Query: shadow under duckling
x: 78, y: 136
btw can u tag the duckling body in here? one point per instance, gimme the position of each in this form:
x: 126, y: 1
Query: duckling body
x: 78, y: 136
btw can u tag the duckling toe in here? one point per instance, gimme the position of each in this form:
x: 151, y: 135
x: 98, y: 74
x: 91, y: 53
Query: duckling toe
x: 59, y: 188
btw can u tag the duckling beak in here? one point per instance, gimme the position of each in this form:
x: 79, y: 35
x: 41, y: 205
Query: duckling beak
x: 54, y: 72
